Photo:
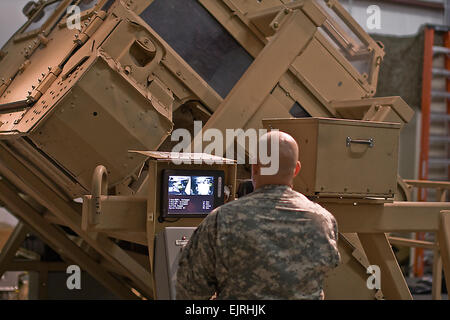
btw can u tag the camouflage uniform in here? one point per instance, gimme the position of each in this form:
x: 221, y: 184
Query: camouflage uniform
x: 271, y: 244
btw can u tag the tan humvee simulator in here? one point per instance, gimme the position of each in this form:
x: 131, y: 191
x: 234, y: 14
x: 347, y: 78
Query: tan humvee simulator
x: 74, y: 102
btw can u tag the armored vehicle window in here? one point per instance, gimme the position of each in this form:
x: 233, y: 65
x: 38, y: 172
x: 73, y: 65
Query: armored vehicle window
x: 200, y: 40
x: 42, y: 16
x: 108, y: 5
x: 297, y: 111
x: 352, y: 47
x: 87, y: 4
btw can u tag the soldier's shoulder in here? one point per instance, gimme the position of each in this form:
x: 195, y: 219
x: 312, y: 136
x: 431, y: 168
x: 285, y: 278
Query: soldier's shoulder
x: 238, y: 208
x: 302, y: 201
x: 245, y: 201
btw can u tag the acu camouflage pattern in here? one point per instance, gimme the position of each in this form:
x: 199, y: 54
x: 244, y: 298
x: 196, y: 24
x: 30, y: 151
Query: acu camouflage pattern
x: 271, y: 244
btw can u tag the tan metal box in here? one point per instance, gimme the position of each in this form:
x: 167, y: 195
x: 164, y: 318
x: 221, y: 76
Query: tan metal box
x: 344, y: 157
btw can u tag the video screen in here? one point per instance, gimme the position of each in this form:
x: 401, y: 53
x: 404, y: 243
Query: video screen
x: 190, y: 194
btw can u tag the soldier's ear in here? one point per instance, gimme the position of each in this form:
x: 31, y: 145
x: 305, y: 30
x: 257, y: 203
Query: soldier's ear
x: 298, y: 167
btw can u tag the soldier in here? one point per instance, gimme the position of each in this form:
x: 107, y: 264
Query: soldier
x: 271, y: 244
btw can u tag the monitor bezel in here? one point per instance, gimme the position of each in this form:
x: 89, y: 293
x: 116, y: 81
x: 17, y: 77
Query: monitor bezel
x: 218, y: 201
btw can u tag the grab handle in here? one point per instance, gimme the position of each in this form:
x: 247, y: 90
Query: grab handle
x: 370, y: 142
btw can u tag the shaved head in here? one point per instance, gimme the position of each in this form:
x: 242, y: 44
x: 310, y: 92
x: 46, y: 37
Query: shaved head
x: 284, y: 148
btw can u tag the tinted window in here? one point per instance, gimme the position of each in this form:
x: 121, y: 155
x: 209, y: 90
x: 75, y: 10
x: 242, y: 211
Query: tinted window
x: 297, y: 111
x: 200, y: 40
x: 87, y: 4
x: 42, y: 16
x: 107, y: 5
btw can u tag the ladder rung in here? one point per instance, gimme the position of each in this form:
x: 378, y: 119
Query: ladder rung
x: 439, y: 139
x: 441, y: 50
x: 439, y: 162
x: 441, y: 72
x: 440, y: 94
x: 439, y: 116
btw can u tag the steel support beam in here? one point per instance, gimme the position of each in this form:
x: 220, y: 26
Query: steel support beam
x: 437, y: 275
x: 56, y: 239
x: 14, y: 242
x: 399, y: 216
x: 379, y: 252
x: 17, y: 172
x: 444, y: 243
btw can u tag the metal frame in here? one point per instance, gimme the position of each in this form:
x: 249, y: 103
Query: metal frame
x: 42, y: 269
x: 372, y: 221
x: 17, y: 173
x: 56, y: 239
x: 442, y: 189
x: 137, y: 216
x: 15, y: 240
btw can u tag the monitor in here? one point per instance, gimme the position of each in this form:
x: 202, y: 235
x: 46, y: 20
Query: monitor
x: 191, y: 193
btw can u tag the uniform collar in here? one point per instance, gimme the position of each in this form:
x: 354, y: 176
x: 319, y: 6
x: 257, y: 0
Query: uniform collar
x: 270, y: 187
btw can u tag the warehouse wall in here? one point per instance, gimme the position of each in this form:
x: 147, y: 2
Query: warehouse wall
x: 11, y: 18
x: 396, y: 19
